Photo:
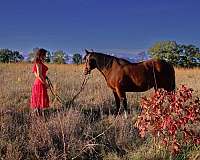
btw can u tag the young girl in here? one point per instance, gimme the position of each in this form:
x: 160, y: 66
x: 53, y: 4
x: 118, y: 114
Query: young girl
x: 39, y: 97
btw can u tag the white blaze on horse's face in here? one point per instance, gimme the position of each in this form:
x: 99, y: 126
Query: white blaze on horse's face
x: 87, y: 64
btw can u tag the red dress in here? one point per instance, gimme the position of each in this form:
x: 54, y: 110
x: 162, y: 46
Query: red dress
x: 39, y: 97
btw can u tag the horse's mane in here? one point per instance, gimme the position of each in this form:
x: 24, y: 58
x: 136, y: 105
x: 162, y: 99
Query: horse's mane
x: 119, y: 60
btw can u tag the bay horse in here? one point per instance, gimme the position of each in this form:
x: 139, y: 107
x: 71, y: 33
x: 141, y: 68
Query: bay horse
x: 123, y: 76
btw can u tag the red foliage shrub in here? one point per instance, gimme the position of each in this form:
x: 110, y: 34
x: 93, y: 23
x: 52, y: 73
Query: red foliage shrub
x: 171, y: 118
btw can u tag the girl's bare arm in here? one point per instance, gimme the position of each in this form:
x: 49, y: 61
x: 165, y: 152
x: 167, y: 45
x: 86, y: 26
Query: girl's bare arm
x: 38, y: 74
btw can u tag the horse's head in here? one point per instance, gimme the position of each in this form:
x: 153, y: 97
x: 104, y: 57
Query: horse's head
x: 90, y: 62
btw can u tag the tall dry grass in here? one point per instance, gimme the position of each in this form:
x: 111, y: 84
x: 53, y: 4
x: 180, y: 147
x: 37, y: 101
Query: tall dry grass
x: 87, y: 130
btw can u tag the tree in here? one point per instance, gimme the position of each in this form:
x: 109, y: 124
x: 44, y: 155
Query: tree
x: 59, y: 57
x: 7, y: 56
x: 189, y: 56
x: 48, y: 57
x: 167, y: 50
x: 17, y: 57
x: 31, y: 55
x: 77, y: 58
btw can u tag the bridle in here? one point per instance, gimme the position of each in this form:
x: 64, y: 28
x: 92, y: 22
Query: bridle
x: 86, y: 70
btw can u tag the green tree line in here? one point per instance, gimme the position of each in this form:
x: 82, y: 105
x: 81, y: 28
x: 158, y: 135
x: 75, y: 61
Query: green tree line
x: 58, y: 57
x: 9, y: 56
x: 180, y: 55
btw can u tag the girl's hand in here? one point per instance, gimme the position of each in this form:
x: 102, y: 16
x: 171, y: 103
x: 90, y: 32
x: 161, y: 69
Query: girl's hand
x: 46, y: 85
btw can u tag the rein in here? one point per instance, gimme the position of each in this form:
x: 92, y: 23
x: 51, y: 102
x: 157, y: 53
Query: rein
x: 63, y: 102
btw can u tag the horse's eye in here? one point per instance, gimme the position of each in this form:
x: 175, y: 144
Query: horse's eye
x: 92, y: 62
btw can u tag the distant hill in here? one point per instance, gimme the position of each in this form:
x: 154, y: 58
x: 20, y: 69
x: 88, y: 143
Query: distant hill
x: 130, y: 56
x: 136, y: 57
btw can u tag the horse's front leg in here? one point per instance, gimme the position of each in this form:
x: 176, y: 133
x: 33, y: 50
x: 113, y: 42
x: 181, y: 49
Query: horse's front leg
x: 122, y: 96
x: 117, y: 101
x: 124, y: 101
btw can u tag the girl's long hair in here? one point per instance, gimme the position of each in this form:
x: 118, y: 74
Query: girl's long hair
x: 40, y: 53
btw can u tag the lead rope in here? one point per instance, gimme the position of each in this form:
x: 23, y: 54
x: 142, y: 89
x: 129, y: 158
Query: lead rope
x: 52, y: 91
x: 63, y: 102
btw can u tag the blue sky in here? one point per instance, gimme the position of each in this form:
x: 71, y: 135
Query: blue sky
x: 104, y: 25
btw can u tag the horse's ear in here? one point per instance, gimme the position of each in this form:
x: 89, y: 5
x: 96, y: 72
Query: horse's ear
x: 86, y: 51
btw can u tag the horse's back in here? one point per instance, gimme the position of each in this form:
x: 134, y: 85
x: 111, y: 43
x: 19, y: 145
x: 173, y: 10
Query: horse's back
x: 139, y: 77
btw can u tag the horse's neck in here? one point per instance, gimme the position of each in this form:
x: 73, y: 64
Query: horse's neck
x: 104, y: 65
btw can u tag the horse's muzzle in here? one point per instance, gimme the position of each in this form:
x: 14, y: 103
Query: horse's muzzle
x: 87, y: 71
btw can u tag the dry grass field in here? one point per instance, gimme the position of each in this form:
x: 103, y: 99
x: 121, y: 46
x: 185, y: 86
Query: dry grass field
x: 87, y: 129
